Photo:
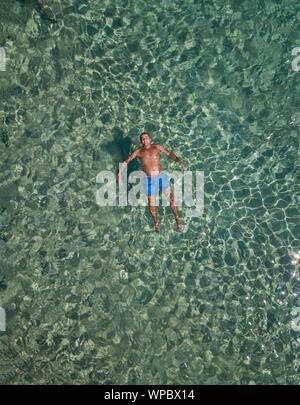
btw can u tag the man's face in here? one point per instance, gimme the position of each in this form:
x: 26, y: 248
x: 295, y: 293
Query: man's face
x: 145, y: 139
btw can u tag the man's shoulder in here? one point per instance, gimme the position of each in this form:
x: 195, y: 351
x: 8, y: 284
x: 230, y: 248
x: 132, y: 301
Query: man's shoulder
x: 159, y: 147
x: 137, y: 151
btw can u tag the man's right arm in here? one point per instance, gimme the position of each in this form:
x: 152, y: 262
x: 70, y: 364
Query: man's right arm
x: 126, y: 161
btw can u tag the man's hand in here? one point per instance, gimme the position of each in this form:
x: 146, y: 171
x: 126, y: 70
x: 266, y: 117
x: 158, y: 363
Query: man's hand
x: 182, y: 165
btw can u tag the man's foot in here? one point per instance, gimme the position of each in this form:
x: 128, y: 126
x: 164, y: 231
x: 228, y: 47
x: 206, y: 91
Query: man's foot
x: 157, y: 227
x: 179, y: 226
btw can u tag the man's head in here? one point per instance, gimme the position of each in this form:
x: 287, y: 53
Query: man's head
x: 145, y: 139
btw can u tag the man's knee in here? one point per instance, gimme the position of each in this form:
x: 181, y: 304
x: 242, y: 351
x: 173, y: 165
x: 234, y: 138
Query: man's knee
x: 151, y: 201
x: 152, y: 209
x: 170, y: 196
x: 168, y: 192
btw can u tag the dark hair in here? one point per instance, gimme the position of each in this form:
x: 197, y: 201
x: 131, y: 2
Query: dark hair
x: 144, y: 133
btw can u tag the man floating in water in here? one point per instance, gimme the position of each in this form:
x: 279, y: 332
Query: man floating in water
x: 156, y: 179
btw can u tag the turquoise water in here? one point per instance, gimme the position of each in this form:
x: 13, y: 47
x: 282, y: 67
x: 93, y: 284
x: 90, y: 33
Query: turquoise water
x: 92, y: 294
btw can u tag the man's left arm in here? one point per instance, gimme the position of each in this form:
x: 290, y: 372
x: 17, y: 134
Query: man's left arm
x: 171, y: 155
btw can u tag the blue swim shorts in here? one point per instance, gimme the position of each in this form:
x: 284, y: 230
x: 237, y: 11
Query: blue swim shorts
x: 155, y: 183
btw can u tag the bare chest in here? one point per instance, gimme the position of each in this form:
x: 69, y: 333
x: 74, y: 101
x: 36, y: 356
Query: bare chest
x: 149, y: 155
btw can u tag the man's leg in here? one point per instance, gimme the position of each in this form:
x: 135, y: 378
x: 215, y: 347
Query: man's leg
x: 153, y: 211
x: 170, y: 197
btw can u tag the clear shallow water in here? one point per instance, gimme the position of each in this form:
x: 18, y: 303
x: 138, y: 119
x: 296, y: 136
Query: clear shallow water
x: 92, y: 294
